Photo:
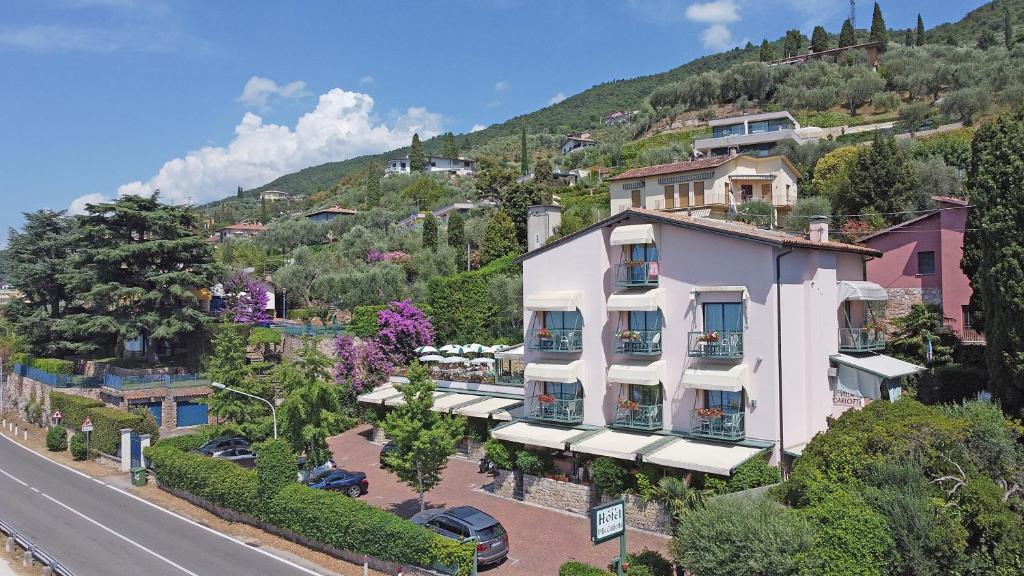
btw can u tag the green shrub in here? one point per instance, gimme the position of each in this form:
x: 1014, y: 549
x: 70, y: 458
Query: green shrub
x: 57, y: 438
x: 574, y: 568
x: 79, y: 449
x: 825, y: 119
x: 462, y: 309
x: 649, y: 562
x: 260, y: 336
x: 753, y: 473
x: 55, y: 366
x: 22, y: 358
x: 529, y: 463
x: 364, y: 320
x: 219, y: 481
x: 107, y: 424
x: 192, y: 441
x: 639, y: 570
x: 608, y: 475
x: 503, y: 454
x: 148, y: 424
x: 72, y: 408
x: 276, y: 467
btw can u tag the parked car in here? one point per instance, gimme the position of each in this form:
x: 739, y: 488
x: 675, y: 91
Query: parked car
x: 387, y: 449
x: 467, y: 522
x: 305, y: 474
x: 245, y: 457
x: 352, y: 484
x: 223, y: 443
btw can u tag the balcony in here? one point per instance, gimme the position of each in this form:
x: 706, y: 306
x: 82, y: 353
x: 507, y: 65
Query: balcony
x: 638, y: 342
x: 636, y: 275
x: 638, y: 416
x: 554, y: 409
x: 861, y: 339
x: 715, y: 345
x: 554, y: 340
x: 715, y: 424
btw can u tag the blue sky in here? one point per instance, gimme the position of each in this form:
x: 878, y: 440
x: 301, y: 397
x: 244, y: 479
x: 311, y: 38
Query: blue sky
x: 103, y: 97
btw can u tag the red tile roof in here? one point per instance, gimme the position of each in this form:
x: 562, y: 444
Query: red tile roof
x: 333, y: 210
x: 698, y: 164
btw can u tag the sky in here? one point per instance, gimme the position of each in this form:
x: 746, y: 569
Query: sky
x: 195, y: 98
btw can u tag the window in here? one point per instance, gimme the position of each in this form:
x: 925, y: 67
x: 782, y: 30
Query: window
x: 645, y: 252
x: 727, y: 402
x: 645, y: 395
x: 562, y: 390
x: 684, y: 194
x: 670, y: 194
x: 644, y: 320
x: 926, y: 262
x: 758, y: 127
x: 637, y: 198
x: 965, y: 312
x: 723, y: 317
x: 403, y: 165
x: 562, y: 320
x: 746, y: 192
x: 698, y: 193
x: 766, y: 192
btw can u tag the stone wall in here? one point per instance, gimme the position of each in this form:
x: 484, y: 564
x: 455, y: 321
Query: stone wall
x: 504, y: 483
x: 470, y: 450
x: 900, y: 301
x: 647, y: 516
x: 556, y: 494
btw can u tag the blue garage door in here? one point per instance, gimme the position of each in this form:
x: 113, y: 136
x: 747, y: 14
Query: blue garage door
x: 191, y: 413
x: 156, y: 409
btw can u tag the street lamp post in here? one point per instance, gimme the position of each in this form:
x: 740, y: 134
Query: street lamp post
x: 273, y: 411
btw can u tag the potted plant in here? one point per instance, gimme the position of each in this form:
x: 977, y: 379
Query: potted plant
x: 631, y: 263
x: 709, y: 412
x: 628, y: 335
x: 710, y: 337
x: 629, y: 404
x: 543, y: 333
x: 546, y: 399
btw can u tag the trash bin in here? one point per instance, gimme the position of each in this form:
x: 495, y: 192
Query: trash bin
x: 139, y: 476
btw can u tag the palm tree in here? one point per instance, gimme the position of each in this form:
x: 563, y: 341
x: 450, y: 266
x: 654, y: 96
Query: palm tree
x: 677, y: 496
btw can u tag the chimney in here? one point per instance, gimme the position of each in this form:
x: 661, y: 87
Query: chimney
x: 818, y: 229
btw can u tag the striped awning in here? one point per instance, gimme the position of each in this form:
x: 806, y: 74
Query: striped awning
x: 766, y: 177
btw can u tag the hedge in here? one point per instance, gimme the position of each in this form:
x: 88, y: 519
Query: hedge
x: 574, y: 568
x: 462, y: 310
x: 107, y: 424
x: 73, y: 409
x: 55, y: 366
x: 327, y: 517
x: 364, y: 320
x: 22, y: 358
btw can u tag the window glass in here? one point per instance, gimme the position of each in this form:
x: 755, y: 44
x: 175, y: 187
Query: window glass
x: 926, y: 262
x: 562, y: 390
x: 645, y: 252
x: 723, y: 317
x: 640, y: 320
x: 645, y: 395
x: 490, y: 533
x: 562, y: 320
x: 728, y: 402
x: 757, y: 127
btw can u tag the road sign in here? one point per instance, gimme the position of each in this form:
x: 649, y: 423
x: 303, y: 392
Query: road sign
x: 607, y: 521
x: 87, y: 424
x: 56, y: 416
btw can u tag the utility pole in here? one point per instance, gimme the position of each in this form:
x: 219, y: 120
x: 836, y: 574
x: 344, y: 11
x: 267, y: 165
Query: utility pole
x: 853, y: 15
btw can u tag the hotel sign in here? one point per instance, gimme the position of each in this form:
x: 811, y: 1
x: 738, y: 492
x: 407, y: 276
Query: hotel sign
x: 607, y: 521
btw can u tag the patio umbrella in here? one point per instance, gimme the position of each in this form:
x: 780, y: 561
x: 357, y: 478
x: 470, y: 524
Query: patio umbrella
x: 456, y: 350
x: 482, y: 361
x: 432, y: 358
x: 475, y: 348
x: 455, y: 360
x: 451, y: 348
x: 425, y: 350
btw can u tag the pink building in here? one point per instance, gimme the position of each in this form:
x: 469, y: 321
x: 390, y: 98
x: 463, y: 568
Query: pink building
x: 921, y: 263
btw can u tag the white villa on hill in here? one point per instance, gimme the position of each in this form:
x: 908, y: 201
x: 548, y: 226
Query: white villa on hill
x: 753, y: 134
x: 460, y: 166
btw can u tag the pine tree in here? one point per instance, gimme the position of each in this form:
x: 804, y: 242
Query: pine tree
x: 879, y: 33
x: 499, y: 238
x: 847, y: 37
x: 430, y: 231
x: 524, y: 160
x: 449, y: 149
x: 1007, y: 28
x: 882, y: 179
x: 417, y: 161
x: 920, y: 31
x: 456, y: 230
x: 264, y: 213
x: 994, y: 251
x: 793, y: 43
x: 908, y: 38
x: 767, y: 52
x: 819, y: 39
x: 239, y: 193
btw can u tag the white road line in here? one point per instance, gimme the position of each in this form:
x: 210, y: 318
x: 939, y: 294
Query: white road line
x: 121, y: 536
x: 34, y: 489
x: 18, y: 480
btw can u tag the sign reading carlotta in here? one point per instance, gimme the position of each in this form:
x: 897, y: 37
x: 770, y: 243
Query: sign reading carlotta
x: 607, y: 521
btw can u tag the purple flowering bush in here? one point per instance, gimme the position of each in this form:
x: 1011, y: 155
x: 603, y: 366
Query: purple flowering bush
x: 365, y: 365
x: 246, y: 300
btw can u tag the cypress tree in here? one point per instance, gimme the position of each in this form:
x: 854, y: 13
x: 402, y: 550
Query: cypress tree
x: 524, y: 161
x: 1007, y: 28
x: 449, y: 149
x: 847, y: 37
x: 416, y: 158
x: 499, y: 238
x: 819, y: 39
x: 456, y: 230
x: 879, y: 33
x: 767, y: 53
x: 908, y: 38
x: 239, y: 194
x: 430, y: 231
x: 994, y: 251
x: 264, y: 214
x: 920, y: 31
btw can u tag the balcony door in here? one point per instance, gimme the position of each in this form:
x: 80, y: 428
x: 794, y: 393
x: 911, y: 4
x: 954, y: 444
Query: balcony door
x: 644, y: 321
x: 562, y: 320
x: 642, y: 254
x: 723, y: 317
x: 727, y: 402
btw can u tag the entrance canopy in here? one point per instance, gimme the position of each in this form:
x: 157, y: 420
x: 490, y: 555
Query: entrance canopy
x: 637, y: 300
x: 537, y: 435
x: 614, y: 444
x: 632, y: 234
x: 494, y: 408
x: 448, y: 402
x: 723, y: 378
x: 863, y: 376
x: 702, y: 456
x: 510, y: 353
x: 553, y: 301
x: 566, y: 371
x: 861, y: 290
x: 642, y: 373
x: 400, y: 399
x: 379, y: 395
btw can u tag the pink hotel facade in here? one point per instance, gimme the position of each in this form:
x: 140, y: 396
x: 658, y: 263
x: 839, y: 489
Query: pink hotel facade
x: 694, y: 343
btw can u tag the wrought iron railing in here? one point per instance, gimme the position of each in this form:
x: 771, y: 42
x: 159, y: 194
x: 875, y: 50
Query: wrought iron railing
x: 715, y: 344
x: 563, y: 410
x: 146, y: 381
x: 639, y: 416
x: 639, y: 342
x: 555, y: 340
x: 636, y: 275
x: 716, y: 424
x: 861, y: 339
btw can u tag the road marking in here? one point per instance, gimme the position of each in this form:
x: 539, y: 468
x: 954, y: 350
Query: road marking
x: 121, y: 536
x: 284, y: 561
x: 34, y: 489
x: 18, y: 480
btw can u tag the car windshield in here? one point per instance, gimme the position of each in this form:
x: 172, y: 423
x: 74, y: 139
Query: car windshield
x: 491, y: 532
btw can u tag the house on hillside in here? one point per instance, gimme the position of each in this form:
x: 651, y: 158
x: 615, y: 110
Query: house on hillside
x: 541, y: 222
x: 445, y: 212
x: 618, y: 117
x: 460, y: 166
x: 577, y: 141
x: 920, y: 263
x: 328, y: 214
x: 274, y: 195
x: 240, y: 230
x: 709, y: 187
x: 692, y: 344
x: 753, y: 134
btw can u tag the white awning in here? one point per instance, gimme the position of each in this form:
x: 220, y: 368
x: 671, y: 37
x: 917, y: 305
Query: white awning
x: 495, y: 408
x: 508, y: 353
x: 446, y: 403
x: 632, y: 234
x: 860, y: 290
x: 723, y: 378
x: 555, y: 300
x: 647, y: 300
x: 645, y: 374
x: 614, y: 444
x: 566, y: 371
x: 701, y: 456
x: 702, y: 289
x: 880, y: 365
x: 379, y: 395
x: 400, y: 399
x: 536, y: 435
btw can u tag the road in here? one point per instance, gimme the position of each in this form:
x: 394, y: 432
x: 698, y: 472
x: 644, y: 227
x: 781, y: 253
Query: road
x: 96, y: 529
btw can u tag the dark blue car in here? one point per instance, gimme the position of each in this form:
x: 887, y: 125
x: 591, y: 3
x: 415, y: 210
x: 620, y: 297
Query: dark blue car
x: 352, y: 484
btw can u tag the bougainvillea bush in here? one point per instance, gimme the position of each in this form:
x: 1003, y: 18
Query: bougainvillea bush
x: 403, y: 328
x: 246, y: 300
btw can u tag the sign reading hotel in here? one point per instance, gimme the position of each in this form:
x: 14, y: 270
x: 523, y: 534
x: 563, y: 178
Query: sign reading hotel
x: 607, y: 521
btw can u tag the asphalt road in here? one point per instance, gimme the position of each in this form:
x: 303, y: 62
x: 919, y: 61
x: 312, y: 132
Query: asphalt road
x: 95, y: 529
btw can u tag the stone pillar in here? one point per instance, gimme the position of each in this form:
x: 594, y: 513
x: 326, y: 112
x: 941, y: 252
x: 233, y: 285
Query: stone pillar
x: 170, y: 412
x: 126, y: 449
x: 142, y: 447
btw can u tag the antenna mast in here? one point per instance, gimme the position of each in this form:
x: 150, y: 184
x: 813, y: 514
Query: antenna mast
x: 853, y: 14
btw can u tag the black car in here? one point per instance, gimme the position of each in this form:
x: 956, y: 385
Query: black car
x: 222, y: 443
x: 244, y: 457
x: 352, y: 484
x: 466, y: 522
x: 387, y: 449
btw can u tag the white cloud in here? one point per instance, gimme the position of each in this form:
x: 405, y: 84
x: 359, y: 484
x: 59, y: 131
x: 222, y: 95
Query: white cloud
x: 717, y: 37
x: 500, y: 86
x: 556, y: 98
x: 78, y: 204
x: 259, y: 90
x: 477, y: 127
x: 367, y: 80
x: 59, y: 38
x: 715, y: 12
x: 341, y: 126
x: 493, y: 104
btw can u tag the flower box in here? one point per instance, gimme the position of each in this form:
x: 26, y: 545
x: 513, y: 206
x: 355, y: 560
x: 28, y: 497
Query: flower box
x: 709, y: 412
x: 628, y: 335
x: 546, y: 399
x: 710, y: 337
x: 543, y: 333
x: 629, y: 404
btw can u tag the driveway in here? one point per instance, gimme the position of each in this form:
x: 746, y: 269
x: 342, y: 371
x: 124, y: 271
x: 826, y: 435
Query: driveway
x: 540, y: 539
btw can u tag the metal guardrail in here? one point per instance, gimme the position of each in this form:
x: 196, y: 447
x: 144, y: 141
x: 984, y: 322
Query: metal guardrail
x: 38, y: 554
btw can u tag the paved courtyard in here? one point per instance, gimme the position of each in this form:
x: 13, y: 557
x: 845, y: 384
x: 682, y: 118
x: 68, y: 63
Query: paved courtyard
x: 540, y: 539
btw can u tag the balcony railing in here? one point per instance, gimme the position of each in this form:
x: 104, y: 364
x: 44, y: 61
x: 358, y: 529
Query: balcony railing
x: 714, y: 344
x: 555, y: 340
x: 636, y: 275
x: 510, y: 378
x: 861, y: 339
x: 716, y: 424
x: 638, y: 342
x: 553, y: 409
x: 638, y: 416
